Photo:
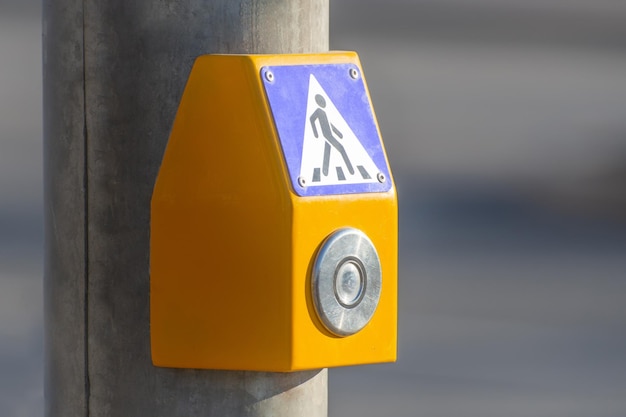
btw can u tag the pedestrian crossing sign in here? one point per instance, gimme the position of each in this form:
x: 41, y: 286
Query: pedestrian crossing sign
x: 326, y: 128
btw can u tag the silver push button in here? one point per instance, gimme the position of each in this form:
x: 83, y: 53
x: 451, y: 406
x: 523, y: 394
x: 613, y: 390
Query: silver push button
x: 346, y: 281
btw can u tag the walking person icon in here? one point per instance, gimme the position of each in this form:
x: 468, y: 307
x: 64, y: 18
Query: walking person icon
x: 331, y: 153
x: 328, y: 129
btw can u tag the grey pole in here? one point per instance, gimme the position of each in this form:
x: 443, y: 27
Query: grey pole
x: 114, y: 71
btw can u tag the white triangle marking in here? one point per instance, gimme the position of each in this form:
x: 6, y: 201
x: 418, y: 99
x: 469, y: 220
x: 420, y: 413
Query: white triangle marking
x: 335, y: 155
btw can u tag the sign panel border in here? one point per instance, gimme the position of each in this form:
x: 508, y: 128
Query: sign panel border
x: 287, y: 88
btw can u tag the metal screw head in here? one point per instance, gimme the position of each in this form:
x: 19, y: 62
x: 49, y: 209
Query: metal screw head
x: 269, y: 76
x: 301, y: 182
x: 381, y: 177
x: 354, y: 74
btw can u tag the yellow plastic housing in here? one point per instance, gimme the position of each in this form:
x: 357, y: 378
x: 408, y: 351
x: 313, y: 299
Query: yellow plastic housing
x: 232, y: 245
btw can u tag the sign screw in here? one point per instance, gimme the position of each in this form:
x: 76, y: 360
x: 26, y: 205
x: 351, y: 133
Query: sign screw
x: 269, y: 76
x: 301, y: 182
x: 380, y: 177
x: 354, y: 74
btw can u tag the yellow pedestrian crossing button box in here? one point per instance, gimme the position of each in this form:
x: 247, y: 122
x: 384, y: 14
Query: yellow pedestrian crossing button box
x: 274, y: 220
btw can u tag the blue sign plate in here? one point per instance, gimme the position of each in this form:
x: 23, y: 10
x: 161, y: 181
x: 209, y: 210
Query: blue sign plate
x: 326, y: 128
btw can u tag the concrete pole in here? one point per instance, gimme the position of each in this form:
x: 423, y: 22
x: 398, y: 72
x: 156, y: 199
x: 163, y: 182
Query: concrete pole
x: 114, y: 71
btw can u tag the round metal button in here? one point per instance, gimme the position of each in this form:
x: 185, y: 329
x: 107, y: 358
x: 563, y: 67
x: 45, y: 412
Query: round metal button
x: 346, y: 281
x: 349, y: 283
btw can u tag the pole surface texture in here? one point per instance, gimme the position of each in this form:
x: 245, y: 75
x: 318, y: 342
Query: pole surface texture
x: 114, y: 71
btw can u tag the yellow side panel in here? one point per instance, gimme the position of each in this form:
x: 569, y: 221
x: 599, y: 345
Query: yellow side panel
x: 221, y: 221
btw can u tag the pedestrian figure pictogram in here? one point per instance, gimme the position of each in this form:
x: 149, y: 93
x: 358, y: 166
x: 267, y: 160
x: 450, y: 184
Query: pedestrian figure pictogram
x: 327, y: 130
x: 331, y: 152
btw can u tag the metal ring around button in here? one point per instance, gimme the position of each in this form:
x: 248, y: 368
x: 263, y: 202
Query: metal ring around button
x: 346, y: 281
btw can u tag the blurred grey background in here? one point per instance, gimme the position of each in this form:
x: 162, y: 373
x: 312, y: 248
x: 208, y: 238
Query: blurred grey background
x: 505, y: 124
